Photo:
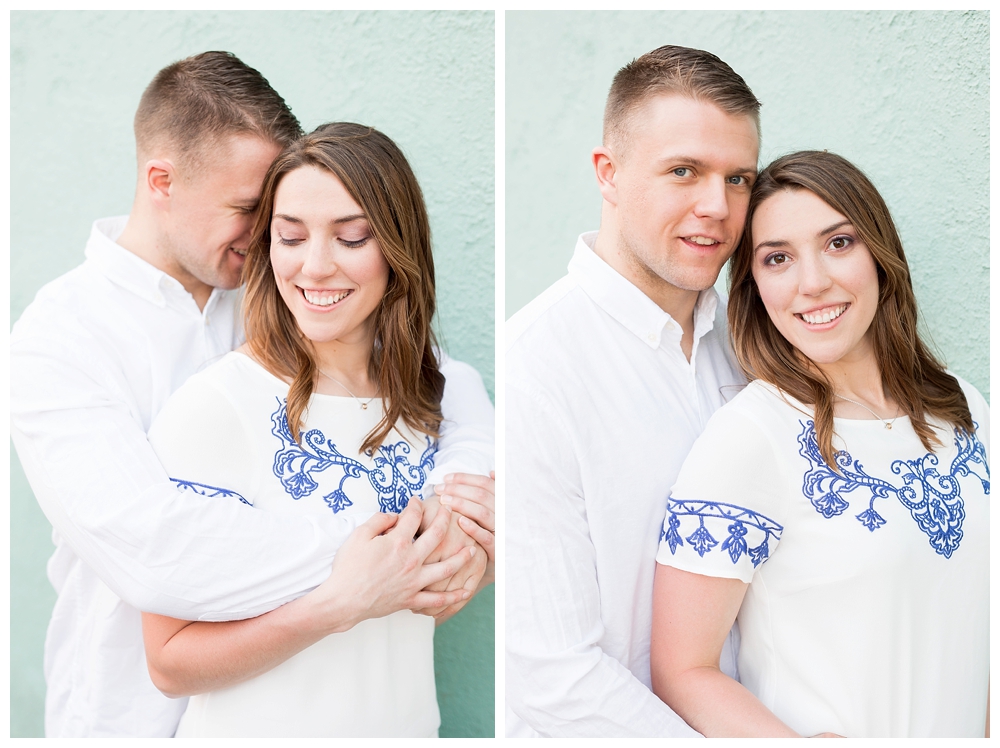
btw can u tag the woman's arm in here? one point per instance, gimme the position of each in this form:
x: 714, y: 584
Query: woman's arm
x: 692, y: 615
x: 379, y: 570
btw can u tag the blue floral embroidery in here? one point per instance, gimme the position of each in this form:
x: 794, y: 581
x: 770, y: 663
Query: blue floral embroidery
x: 933, y: 500
x: 210, y: 491
x: 701, y: 540
x: 394, y: 478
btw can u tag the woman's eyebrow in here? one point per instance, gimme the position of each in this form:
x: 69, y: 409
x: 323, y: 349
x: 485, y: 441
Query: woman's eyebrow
x: 348, y: 219
x: 834, y: 227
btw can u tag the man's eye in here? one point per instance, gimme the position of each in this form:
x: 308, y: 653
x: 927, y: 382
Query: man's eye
x: 739, y: 181
x: 682, y: 171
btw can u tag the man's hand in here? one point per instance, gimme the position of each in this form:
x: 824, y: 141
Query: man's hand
x: 474, y: 498
x: 382, y: 569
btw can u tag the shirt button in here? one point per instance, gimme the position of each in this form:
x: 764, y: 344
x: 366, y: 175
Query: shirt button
x: 651, y: 338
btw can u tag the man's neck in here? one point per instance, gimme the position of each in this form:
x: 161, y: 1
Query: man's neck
x: 141, y: 238
x: 679, y: 303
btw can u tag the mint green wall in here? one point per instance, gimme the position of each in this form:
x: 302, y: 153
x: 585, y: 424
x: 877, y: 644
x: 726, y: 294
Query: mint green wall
x: 904, y: 95
x: 426, y: 79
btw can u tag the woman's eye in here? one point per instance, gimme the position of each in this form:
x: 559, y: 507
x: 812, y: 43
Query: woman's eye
x: 290, y: 241
x: 355, y: 243
x: 778, y: 258
x: 840, y: 242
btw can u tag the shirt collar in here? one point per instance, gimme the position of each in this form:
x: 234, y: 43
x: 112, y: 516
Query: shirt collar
x: 131, y: 272
x: 621, y: 299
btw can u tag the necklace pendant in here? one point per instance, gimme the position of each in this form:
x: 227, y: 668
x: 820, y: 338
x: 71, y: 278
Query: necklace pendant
x: 364, y: 406
x: 888, y: 427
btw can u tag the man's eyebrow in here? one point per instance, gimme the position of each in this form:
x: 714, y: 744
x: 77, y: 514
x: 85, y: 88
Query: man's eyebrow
x: 699, y: 164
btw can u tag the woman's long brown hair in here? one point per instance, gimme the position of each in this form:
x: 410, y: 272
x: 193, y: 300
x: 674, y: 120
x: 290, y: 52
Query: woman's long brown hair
x: 403, y: 363
x: 910, y: 373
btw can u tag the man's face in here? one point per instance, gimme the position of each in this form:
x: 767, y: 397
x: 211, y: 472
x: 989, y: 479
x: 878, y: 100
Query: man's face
x: 682, y: 191
x: 211, y: 214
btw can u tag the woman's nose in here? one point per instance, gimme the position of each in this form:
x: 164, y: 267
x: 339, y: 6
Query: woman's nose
x: 319, y: 261
x: 814, y: 277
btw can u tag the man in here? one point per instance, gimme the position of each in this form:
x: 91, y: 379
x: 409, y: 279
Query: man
x: 94, y: 358
x: 612, y: 372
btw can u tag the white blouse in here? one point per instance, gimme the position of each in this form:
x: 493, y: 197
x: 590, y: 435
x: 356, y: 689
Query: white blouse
x: 224, y: 434
x: 867, y: 611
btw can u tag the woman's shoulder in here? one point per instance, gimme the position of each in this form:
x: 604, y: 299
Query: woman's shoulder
x: 221, y: 389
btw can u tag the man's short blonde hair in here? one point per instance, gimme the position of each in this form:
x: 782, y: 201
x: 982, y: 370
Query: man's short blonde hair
x: 191, y: 106
x: 669, y: 69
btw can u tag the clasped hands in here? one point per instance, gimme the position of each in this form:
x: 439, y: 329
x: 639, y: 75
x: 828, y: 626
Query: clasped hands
x: 430, y: 558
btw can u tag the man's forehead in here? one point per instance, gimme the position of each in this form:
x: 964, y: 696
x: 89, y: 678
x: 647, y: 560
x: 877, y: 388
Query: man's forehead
x: 676, y: 124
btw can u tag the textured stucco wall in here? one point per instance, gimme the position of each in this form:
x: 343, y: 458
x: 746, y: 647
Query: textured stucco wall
x: 904, y: 95
x: 426, y: 79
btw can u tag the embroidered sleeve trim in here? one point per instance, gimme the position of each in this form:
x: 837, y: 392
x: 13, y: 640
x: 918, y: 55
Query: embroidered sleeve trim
x: 211, y: 492
x: 741, y: 523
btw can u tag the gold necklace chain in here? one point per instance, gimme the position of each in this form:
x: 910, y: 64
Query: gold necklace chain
x: 364, y: 405
x: 887, y: 424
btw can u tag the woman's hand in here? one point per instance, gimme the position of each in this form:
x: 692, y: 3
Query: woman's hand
x: 474, y: 498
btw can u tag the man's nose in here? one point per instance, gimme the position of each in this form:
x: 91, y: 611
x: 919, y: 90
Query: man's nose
x: 713, y: 199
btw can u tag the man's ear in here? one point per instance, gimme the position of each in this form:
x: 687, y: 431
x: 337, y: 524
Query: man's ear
x: 160, y: 179
x: 606, y: 169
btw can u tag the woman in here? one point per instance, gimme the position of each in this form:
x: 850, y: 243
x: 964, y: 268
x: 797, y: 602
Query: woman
x: 332, y: 405
x: 847, y: 529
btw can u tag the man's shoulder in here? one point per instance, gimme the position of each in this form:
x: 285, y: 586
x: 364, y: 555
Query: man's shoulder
x: 541, y: 315
x: 64, y: 302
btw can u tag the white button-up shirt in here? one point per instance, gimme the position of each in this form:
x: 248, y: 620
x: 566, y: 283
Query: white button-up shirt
x: 601, y: 408
x: 93, y: 359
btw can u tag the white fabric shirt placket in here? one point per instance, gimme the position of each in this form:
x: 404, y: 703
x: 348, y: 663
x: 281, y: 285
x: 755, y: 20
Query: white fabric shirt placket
x: 600, y: 415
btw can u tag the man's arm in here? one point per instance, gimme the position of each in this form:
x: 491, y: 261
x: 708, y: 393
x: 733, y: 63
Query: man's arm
x: 381, y: 569
x: 466, y: 444
x: 101, y: 486
x: 559, y: 680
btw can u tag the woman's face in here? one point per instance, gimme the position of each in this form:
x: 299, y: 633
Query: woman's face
x: 327, y: 264
x: 816, y: 277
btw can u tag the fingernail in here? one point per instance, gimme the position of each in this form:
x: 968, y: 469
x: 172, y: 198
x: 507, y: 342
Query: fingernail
x: 466, y: 595
x: 439, y: 488
x: 446, y: 500
x: 449, y: 477
x: 472, y: 550
x: 465, y: 522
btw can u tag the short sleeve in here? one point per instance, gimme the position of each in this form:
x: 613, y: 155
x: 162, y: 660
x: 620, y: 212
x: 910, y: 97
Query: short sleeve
x: 722, y: 517
x: 204, y: 444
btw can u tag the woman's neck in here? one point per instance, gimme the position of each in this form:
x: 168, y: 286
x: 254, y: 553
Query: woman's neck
x: 859, y: 392
x: 343, y: 369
